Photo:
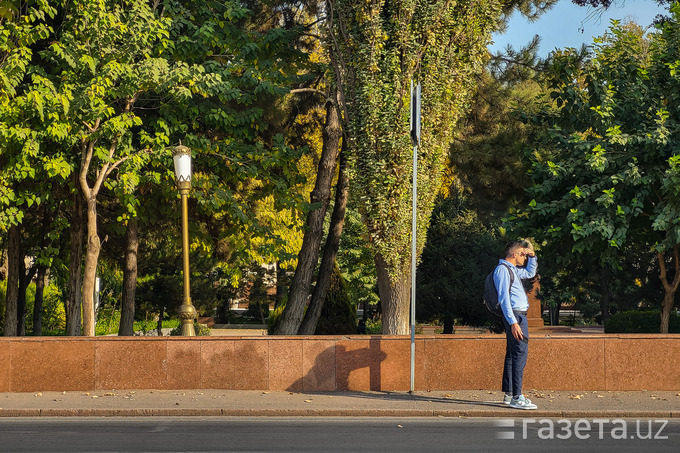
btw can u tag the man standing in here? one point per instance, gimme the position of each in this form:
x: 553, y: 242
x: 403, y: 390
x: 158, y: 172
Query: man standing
x: 520, y: 259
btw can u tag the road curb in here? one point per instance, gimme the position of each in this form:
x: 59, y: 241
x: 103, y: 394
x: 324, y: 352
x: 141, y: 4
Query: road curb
x: 393, y: 413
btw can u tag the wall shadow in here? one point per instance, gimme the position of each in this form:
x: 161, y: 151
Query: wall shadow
x: 357, y: 372
x: 339, y: 368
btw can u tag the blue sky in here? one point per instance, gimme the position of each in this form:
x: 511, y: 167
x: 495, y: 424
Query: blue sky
x: 568, y: 25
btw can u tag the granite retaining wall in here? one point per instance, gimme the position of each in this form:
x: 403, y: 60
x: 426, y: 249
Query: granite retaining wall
x: 335, y: 363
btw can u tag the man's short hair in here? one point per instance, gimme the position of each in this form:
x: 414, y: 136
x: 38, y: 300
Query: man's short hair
x: 512, y: 247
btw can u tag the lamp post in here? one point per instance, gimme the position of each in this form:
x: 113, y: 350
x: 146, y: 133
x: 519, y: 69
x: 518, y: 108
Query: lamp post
x: 181, y: 155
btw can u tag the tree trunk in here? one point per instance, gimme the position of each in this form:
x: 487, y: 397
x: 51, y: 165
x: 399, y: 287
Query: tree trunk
x: 666, y: 306
x: 448, y: 325
x: 73, y: 303
x: 669, y: 288
x: 21, y: 297
x: 3, y: 264
x: 90, y: 274
x: 38, y: 304
x: 554, y: 313
x: 159, y: 325
x: 41, y: 271
x: 604, y: 289
x: 280, y: 287
x: 13, y: 269
x: 395, y: 295
x: 127, y: 310
x: 291, y: 317
x: 25, y: 278
x: 323, y: 282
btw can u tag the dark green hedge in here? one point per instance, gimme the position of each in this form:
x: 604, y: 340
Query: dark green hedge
x: 640, y: 322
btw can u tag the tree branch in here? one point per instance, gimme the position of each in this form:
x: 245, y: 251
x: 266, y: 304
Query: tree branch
x: 676, y: 257
x: 662, y: 270
x: 117, y: 163
x: 307, y: 90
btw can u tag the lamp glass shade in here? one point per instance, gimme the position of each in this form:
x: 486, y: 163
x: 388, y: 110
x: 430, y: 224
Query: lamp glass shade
x: 182, y: 166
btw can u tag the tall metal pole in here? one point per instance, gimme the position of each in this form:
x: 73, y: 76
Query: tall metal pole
x: 187, y: 312
x: 413, y: 266
x: 415, y: 138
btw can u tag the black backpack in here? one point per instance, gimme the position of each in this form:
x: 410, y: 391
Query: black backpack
x: 491, y: 293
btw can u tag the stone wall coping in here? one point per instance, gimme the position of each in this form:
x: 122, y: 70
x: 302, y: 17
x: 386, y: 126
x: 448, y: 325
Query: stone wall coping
x: 533, y: 336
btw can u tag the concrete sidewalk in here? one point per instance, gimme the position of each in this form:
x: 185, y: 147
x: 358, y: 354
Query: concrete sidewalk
x: 455, y: 403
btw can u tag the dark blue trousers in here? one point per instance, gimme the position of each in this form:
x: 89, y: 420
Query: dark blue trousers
x: 516, y: 353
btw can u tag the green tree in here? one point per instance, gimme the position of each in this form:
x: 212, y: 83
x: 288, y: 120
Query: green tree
x: 460, y: 251
x: 244, y: 171
x: 378, y: 49
x: 24, y: 168
x: 606, y: 175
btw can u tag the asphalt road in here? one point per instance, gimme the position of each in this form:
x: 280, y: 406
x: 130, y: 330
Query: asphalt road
x: 326, y: 434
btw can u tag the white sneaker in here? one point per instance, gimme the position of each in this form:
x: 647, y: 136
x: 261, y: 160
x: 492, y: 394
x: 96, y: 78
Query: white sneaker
x: 507, y: 398
x: 522, y: 403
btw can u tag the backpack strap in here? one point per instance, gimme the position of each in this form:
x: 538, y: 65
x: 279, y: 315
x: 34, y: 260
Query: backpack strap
x: 512, y: 278
x: 512, y: 274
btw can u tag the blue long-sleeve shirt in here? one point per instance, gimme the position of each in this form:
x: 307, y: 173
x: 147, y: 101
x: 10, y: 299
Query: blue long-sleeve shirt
x: 516, y: 299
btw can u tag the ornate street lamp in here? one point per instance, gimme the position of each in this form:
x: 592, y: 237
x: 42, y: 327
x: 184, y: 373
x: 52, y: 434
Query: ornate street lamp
x: 181, y: 155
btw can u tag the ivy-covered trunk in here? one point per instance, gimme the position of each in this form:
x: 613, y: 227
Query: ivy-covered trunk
x: 395, y: 295
x: 127, y: 309
x: 378, y: 49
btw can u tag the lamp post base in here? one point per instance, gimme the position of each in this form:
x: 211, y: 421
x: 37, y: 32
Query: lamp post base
x: 187, y: 314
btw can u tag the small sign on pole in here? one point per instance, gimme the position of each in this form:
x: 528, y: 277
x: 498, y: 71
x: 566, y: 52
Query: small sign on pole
x: 415, y: 114
x: 415, y: 139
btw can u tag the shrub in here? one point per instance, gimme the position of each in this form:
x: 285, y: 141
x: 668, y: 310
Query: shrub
x: 338, y: 315
x: 640, y: 322
x: 274, y: 317
x: 54, y: 315
x: 374, y: 326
